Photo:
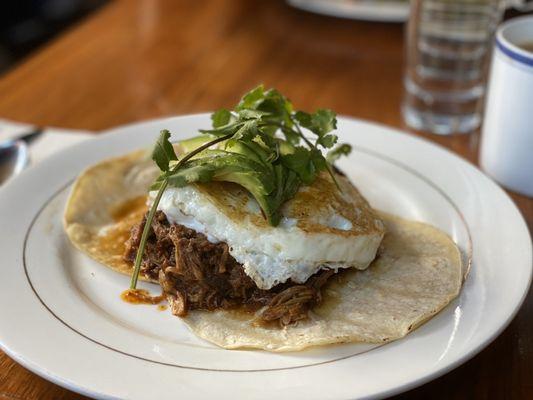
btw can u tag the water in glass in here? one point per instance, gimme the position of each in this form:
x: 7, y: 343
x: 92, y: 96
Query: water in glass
x: 447, y: 51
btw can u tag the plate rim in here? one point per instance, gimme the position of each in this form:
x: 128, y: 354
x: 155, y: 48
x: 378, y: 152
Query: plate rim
x: 409, y: 385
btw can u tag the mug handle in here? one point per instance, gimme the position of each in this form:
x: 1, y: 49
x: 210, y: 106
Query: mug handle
x: 520, y: 5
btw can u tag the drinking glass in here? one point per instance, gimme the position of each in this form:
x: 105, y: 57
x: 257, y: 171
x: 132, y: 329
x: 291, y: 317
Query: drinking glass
x: 447, y: 55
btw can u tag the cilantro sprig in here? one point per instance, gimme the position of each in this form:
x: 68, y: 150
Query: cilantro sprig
x: 263, y: 144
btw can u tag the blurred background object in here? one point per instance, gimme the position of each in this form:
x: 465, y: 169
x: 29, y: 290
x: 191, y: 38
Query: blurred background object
x: 27, y: 24
x: 447, y: 58
x: 507, y: 138
x: 13, y: 159
x: 378, y: 10
x: 369, y: 10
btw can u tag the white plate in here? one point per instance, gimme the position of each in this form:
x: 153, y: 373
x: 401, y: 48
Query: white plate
x: 61, y: 315
x: 368, y: 10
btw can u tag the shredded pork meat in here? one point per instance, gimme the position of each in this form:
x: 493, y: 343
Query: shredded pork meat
x: 196, y: 274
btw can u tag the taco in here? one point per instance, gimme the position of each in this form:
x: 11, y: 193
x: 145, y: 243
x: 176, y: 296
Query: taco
x: 251, y: 252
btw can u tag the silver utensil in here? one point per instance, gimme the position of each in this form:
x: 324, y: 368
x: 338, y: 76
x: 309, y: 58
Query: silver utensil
x: 14, y: 155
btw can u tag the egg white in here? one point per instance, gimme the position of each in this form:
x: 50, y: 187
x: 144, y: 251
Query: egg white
x: 269, y: 255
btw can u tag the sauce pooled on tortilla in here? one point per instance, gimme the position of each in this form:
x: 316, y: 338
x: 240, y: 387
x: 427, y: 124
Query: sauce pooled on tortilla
x: 125, y: 215
x: 140, y: 296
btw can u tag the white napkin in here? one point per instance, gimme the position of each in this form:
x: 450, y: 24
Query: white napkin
x: 52, y: 139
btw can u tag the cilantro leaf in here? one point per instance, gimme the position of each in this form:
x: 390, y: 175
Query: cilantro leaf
x: 327, y: 141
x: 163, y: 152
x: 220, y: 118
x: 247, y: 131
x: 339, y: 151
x: 304, y: 119
x: 251, y: 99
x: 251, y: 114
x: 323, y: 121
x: 318, y: 160
x: 320, y: 123
x: 300, y: 162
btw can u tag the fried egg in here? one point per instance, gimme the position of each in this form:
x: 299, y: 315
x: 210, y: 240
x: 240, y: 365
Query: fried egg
x: 321, y: 227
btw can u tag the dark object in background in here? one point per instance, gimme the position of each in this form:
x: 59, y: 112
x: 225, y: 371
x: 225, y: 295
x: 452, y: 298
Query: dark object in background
x: 27, y: 24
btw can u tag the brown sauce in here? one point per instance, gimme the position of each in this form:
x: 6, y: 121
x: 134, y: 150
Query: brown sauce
x: 242, y: 313
x: 129, y: 207
x: 112, y: 243
x: 140, y: 296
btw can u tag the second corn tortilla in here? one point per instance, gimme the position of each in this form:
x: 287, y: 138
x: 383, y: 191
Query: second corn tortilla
x: 416, y: 274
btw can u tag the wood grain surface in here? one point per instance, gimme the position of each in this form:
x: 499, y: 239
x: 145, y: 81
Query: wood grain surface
x: 139, y: 59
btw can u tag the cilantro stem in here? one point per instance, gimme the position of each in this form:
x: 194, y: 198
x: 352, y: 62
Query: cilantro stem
x: 153, y: 209
x: 328, y: 167
x: 144, y: 237
x: 330, y: 172
x: 302, y: 135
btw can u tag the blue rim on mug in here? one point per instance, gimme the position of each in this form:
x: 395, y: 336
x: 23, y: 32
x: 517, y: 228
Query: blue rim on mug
x: 510, y: 49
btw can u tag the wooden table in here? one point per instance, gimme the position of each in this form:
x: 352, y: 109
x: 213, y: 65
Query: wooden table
x: 138, y: 59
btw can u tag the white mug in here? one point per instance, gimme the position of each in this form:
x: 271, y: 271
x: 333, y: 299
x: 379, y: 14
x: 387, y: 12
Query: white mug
x: 506, y: 151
